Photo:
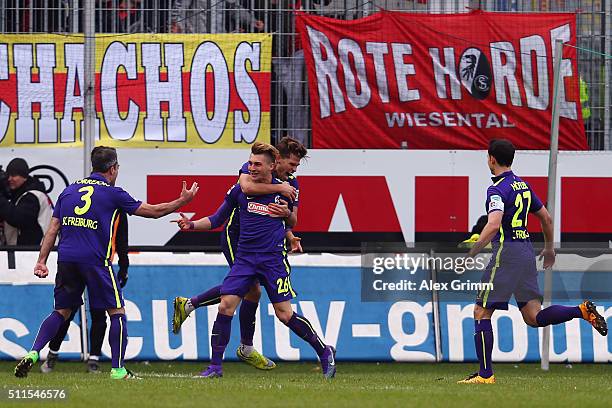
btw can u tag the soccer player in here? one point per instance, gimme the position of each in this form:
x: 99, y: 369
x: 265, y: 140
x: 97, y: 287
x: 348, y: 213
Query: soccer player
x: 84, y: 216
x: 260, y: 256
x: 98, y: 316
x: 512, y: 269
x: 291, y: 153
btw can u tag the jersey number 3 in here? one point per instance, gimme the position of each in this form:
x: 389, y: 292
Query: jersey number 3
x: 86, y: 197
x: 518, y: 203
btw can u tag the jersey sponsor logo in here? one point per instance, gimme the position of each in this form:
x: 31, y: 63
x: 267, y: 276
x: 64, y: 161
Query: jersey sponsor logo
x: 496, y: 203
x: 258, y: 208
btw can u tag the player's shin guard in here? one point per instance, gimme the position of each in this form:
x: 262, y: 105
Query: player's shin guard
x: 220, y: 337
x: 98, y: 328
x: 48, y: 330
x: 247, y: 313
x: 302, y: 327
x: 483, y: 340
x: 556, y: 314
x: 117, y: 337
x: 211, y: 297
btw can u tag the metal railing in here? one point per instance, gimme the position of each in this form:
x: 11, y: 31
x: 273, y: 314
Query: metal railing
x: 289, y: 103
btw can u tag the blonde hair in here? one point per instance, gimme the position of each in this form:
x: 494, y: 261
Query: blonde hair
x: 266, y: 149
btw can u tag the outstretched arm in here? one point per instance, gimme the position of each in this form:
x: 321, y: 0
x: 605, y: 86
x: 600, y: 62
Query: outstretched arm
x: 159, y: 210
x: 206, y: 223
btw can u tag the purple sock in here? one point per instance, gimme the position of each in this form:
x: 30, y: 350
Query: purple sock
x: 211, y: 297
x: 483, y: 340
x: 56, y: 342
x: 48, y: 329
x: 117, y: 337
x: 302, y: 327
x: 247, y: 321
x: 556, y: 314
x: 220, y: 337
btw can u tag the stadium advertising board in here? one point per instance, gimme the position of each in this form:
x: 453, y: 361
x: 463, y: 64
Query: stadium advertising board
x: 195, y: 91
x: 329, y: 296
x: 431, y: 81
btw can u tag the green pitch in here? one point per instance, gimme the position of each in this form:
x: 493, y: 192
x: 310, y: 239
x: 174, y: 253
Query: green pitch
x: 300, y: 384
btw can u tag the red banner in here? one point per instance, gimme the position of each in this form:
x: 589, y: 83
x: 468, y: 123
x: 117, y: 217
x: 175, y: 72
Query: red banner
x: 424, y: 81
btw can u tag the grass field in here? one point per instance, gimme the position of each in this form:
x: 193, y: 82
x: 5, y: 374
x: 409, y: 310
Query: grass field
x: 301, y: 384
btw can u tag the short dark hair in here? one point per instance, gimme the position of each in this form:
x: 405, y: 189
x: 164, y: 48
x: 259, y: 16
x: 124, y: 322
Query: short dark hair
x: 265, y: 149
x: 288, y: 146
x: 103, y: 158
x: 503, y: 151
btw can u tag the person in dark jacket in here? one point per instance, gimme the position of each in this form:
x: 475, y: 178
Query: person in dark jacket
x: 27, y: 211
x: 98, y: 317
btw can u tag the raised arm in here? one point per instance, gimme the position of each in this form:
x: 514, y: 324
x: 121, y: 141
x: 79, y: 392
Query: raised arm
x: 159, y: 210
x: 251, y: 188
x: 40, y: 269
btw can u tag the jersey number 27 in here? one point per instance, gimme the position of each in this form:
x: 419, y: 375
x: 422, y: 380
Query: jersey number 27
x: 517, y: 220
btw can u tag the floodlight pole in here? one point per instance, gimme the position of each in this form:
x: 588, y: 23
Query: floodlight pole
x: 552, y: 190
x: 89, y: 110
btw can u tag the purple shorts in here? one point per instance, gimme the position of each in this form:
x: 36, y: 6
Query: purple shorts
x: 518, y: 278
x: 271, y: 269
x: 102, y: 285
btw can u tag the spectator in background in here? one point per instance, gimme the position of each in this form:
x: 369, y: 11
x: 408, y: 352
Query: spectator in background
x: 126, y: 17
x: 35, y: 16
x: 584, y: 102
x: 27, y: 211
x: 98, y: 316
x: 121, y: 16
x: 230, y: 16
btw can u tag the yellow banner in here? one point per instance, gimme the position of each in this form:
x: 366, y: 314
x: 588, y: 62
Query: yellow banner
x: 152, y: 90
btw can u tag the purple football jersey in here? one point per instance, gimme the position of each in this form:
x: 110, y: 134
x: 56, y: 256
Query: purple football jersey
x: 87, y: 210
x: 232, y: 228
x: 516, y: 199
x: 258, y: 231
